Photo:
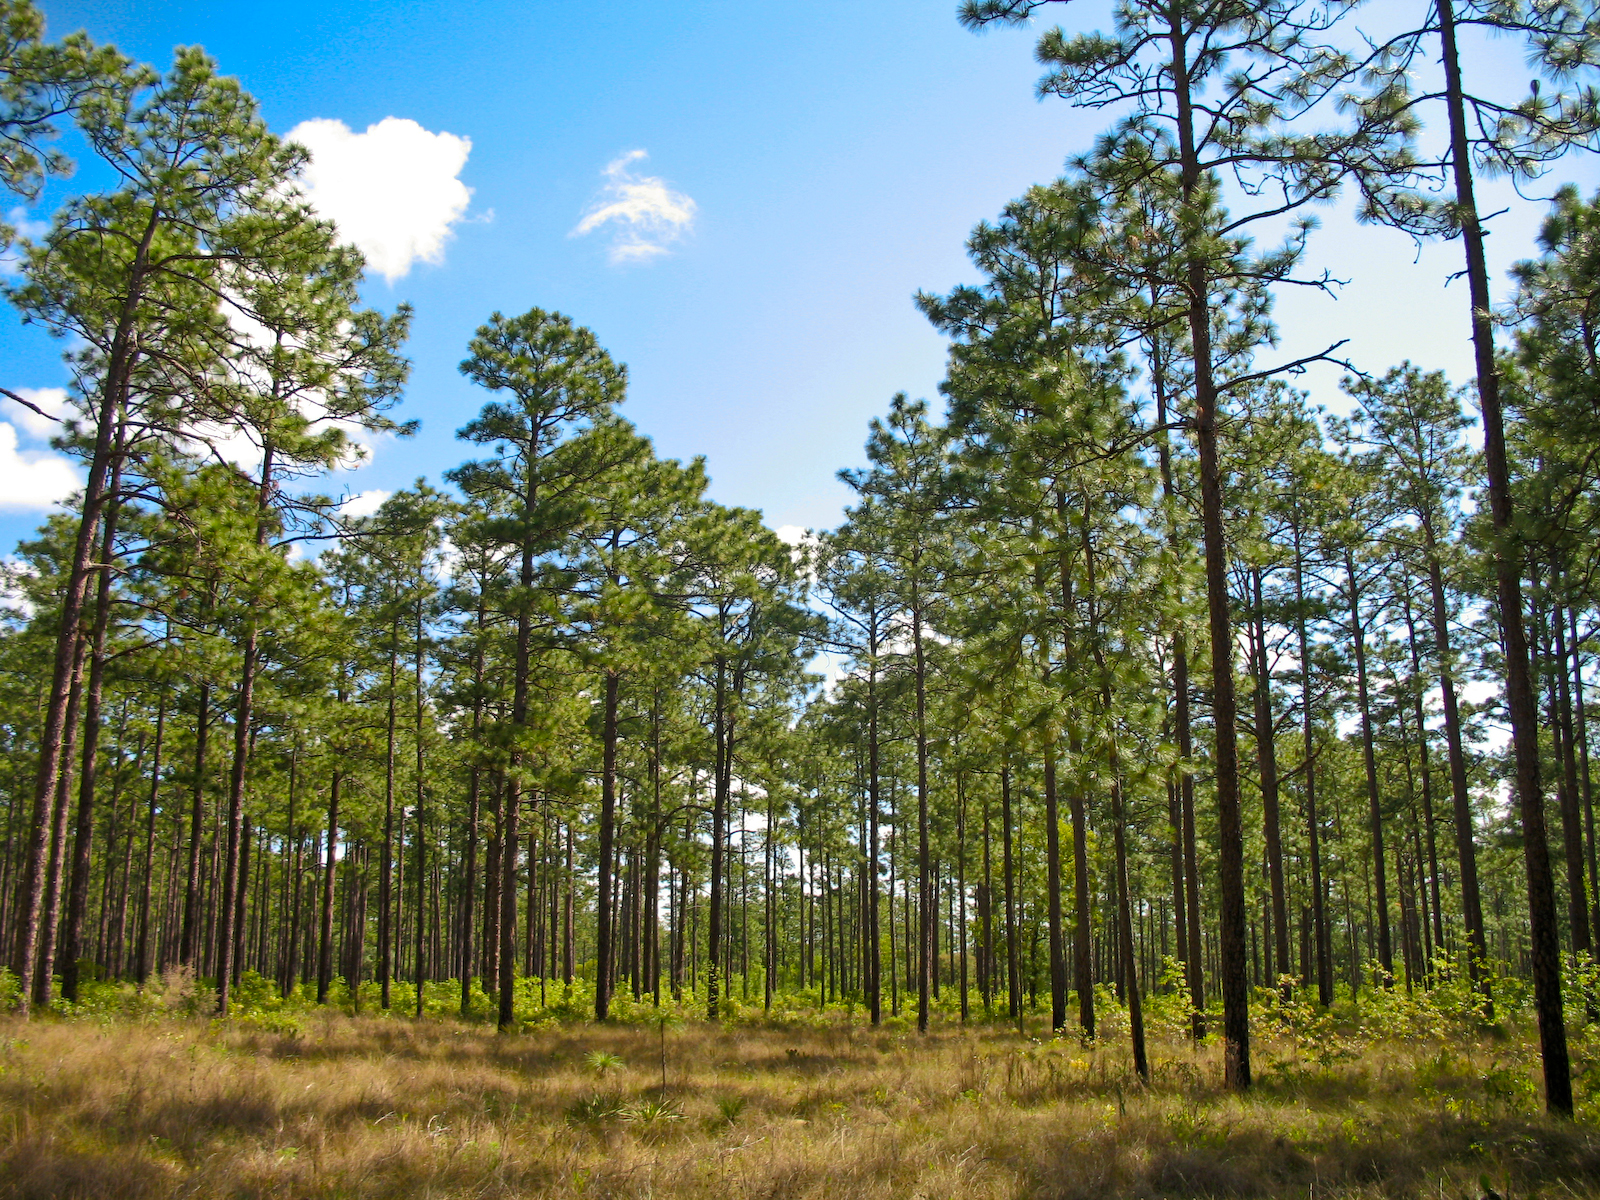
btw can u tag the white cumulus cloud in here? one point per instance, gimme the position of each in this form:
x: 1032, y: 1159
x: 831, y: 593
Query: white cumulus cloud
x: 364, y: 504
x: 29, y: 479
x: 392, y: 190
x: 644, y: 214
x: 52, y: 400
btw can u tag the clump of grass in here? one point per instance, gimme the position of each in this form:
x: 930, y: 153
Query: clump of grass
x: 591, y: 1111
x: 652, y: 1117
x: 603, y: 1062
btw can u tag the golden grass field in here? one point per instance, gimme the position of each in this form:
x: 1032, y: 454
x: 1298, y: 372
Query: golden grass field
x: 339, y: 1106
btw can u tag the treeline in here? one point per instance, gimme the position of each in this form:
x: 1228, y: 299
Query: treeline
x: 556, y: 723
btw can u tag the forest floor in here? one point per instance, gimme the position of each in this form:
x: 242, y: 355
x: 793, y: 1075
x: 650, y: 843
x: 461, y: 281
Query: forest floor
x: 339, y: 1106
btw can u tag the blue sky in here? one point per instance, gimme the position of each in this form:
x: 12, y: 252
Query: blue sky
x: 835, y: 156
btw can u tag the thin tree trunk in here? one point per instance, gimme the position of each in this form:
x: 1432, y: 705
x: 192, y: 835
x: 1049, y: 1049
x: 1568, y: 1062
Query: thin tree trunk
x: 1521, y: 707
x: 1321, y: 934
x: 604, y: 950
x: 1267, y: 753
x: 114, y: 913
x: 54, y: 751
x: 508, y: 904
x: 1187, y: 903
x: 231, y: 885
x: 986, y: 960
x: 45, y: 966
x: 1052, y: 852
x: 235, y: 958
x: 142, y: 963
x: 491, y: 891
x: 1571, y: 814
x: 386, y: 853
x: 1427, y: 771
x: 1369, y: 759
x: 83, y: 832
x: 719, y: 816
x: 291, y: 966
x: 961, y: 896
x: 190, y: 949
x: 1130, y: 964
x: 1082, y: 951
x: 1013, y: 951
x: 567, y: 963
x: 1225, y: 777
x: 465, y: 953
x: 926, y: 921
x: 874, y: 933
x: 421, y: 795
x: 1461, y: 799
x: 1582, y: 734
x: 325, y: 954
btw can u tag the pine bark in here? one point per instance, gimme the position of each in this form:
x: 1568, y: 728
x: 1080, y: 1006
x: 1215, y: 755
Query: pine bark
x: 88, y: 775
x: 1358, y: 635
x: 1267, y: 756
x: 141, y: 969
x: 1545, y: 949
x: 330, y: 863
x: 604, y: 936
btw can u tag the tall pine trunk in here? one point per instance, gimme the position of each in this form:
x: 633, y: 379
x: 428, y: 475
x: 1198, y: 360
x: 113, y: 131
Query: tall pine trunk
x: 1052, y: 853
x: 54, y: 753
x: 1380, y: 874
x: 604, y: 934
x: 1187, y: 901
x: 1008, y: 869
x: 719, y: 819
x: 926, y: 950
x: 1521, y: 707
x: 1460, y: 797
x: 189, y: 950
x: 141, y: 968
x: 1267, y: 756
x: 1233, y: 955
x: 1571, y: 805
x: 1319, y: 914
x: 44, y: 968
x: 421, y: 796
x: 386, y: 851
x: 325, y: 935
x: 1082, y: 949
x: 72, y: 948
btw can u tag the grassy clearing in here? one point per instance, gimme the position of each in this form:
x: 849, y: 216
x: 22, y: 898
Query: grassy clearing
x: 339, y: 1106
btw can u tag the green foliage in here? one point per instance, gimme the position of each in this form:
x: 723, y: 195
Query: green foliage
x: 651, y: 1118
x: 592, y: 1112
x: 602, y: 1062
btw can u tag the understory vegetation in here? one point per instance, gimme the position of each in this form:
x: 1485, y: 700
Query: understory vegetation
x: 316, y: 1103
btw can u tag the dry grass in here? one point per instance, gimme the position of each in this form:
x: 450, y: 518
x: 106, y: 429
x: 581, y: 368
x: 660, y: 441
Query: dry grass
x: 362, y: 1107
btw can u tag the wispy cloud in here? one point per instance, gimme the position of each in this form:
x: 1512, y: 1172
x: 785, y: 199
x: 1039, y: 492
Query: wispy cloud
x: 644, y: 215
x: 393, y: 190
